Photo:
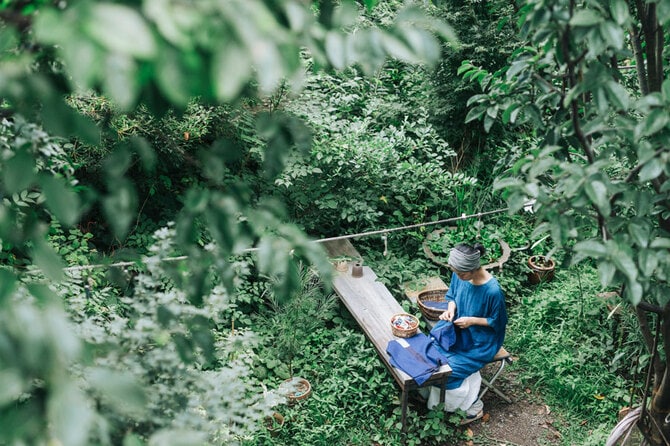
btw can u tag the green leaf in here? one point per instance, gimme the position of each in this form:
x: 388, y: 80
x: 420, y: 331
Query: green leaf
x: 516, y: 202
x: 120, y: 82
x: 42, y: 293
x: 510, y: 113
x: 120, y: 29
x: 606, y: 272
x: 488, y: 122
x: 597, y: 193
x: 11, y: 386
x: 633, y: 292
x: 48, y: 261
x: 648, y: 262
x: 612, y: 34
x: 84, y: 61
x: 231, y: 70
x: 397, y: 48
x: 345, y: 15
x: 660, y: 243
x: 591, y: 248
x: 619, y: 10
x: 19, y: 172
x: 585, y: 18
x: 179, y: 76
x: 370, y: 4
x: 118, y: 389
x: 640, y: 234
x: 466, y: 65
x: 336, y: 49
x: 475, y: 113
x: 507, y: 182
x: 618, y: 95
x: 70, y: 415
x: 656, y: 120
x: 651, y: 170
x: 61, y: 200
x: 120, y: 206
x: 8, y: 39
x: 625, y: 264
x: 7, y: 285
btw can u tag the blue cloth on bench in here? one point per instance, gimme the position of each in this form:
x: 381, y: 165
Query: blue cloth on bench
x: 417, y: 356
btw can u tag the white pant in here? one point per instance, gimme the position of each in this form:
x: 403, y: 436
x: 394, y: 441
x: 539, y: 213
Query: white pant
x: 462, y: 397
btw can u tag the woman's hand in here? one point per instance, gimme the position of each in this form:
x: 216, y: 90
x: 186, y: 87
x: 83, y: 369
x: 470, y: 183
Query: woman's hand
x: 464, y: 322
x: 469, y: 321
x: 448, y: 315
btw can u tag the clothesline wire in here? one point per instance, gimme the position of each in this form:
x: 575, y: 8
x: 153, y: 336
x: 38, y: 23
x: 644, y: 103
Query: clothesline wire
x: 414, y: 226
x: 323, y: 240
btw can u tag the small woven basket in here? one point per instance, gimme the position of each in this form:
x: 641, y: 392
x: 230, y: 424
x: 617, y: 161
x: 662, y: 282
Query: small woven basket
x: 296, y: 389
x: 402, y: 332
x: 430, y: 296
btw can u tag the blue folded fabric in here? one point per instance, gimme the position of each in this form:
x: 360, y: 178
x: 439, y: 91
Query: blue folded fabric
x: 417, y: 356
x: 443, y: 334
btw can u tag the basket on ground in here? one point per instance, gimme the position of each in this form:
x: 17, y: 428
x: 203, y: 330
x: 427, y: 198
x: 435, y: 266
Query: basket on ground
x: 404, y: 325
x: 428, y: 303
x: 295, y: 389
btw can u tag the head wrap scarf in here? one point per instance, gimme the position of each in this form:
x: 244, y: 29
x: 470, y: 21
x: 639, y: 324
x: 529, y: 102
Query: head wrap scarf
x: 464, y: 261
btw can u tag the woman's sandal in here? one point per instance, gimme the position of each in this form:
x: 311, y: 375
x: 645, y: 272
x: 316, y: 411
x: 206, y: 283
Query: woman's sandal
x: 470, y: 418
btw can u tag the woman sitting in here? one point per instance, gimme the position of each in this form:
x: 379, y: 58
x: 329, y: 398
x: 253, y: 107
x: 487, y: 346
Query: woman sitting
x: 476, y: 306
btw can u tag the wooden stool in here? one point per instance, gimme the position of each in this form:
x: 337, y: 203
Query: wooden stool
x: 501, y: 359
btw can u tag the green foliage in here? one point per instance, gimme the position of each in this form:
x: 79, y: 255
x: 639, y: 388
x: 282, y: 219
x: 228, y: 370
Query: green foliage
x: 222, y: 50
x: 487, y: 36
x: 613, y: 174
x: 295, y: 319
x: 584, y: 354
x: 159, y: 362
x: 366, y: 137
x: 162, y: 338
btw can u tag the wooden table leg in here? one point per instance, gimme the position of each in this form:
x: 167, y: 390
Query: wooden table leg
x: 404, y: 401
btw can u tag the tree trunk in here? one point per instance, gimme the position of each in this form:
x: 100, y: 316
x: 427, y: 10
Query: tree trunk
x: 658, y: 431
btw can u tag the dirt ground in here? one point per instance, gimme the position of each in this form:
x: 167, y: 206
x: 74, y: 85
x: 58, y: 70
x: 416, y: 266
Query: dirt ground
x: 525, y: 422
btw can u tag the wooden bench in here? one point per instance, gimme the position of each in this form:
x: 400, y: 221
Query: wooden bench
x: 372, y: 305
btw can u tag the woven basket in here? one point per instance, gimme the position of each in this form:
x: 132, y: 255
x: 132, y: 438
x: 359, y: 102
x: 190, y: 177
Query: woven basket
x: 430, y: 296
x: 404, y: 332
x: 296, y: 389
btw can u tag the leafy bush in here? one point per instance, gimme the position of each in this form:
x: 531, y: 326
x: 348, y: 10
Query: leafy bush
x: 373, y: 162
x: 161, y: 365
x: 571, y: 347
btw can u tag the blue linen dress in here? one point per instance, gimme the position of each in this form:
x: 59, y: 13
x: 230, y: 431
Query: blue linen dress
x: 476, y: 345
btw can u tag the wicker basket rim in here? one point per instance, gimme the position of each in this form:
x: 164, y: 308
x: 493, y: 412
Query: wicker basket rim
x: 405, y: 314
x: 432, y: 294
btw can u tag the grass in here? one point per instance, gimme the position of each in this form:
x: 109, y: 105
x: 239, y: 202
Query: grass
x: 572, y: 348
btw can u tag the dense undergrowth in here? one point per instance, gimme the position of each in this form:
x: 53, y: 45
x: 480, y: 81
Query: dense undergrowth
x: 575, y: 347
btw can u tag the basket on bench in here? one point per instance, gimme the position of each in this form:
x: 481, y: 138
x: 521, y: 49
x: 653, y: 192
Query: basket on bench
x: 425, y: 298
